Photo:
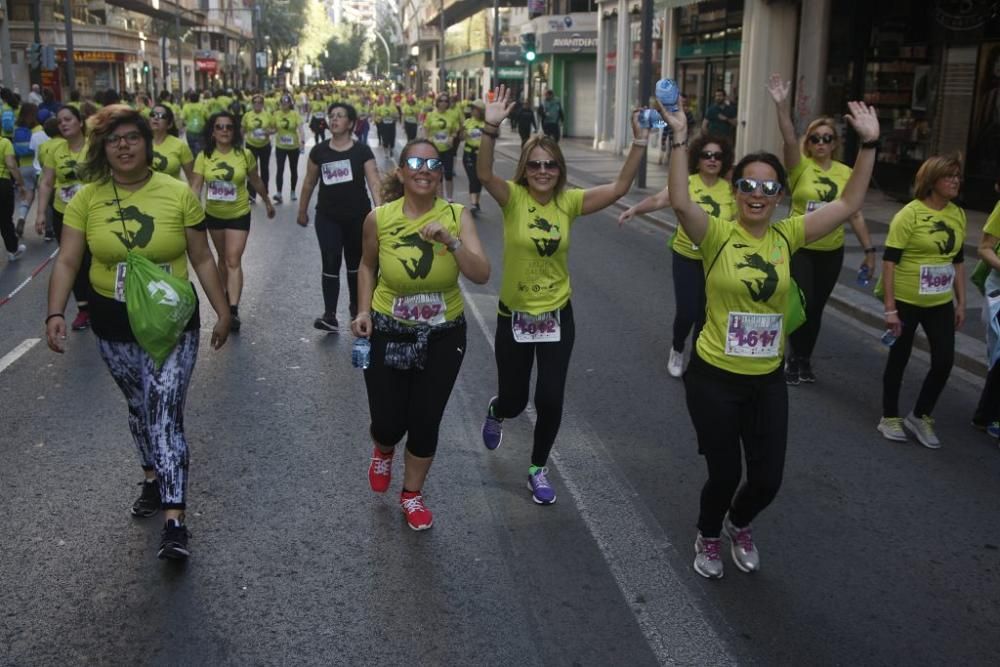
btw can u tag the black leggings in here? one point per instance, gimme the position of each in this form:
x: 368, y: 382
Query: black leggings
x: 727, y: 409
x: 412, y: 402
x: 387, y: 134
x: 7, y: 215
x: 411, y: 131
x: 514, y: 362
x: 292, y: 155
x: 263, y: 155
x: 816, y: 272
x: 81, y: 284
x: 988, y: 409
x: 689, y: 295
x: 469, y: 162
x: 339, y: 239
x: 939, y: 326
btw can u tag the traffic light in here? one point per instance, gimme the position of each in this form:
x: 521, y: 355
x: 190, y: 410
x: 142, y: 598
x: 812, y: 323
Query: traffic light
x: 34, y: 55
x: 49, y: 57
x: 145, y: 67
x: 528, y: 46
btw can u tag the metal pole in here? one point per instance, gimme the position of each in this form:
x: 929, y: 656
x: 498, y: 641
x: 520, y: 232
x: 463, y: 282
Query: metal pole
x: 496, y: 44
x: 70, y: 67
x: 8, y: 72
x: 645, y: 74
x: 180, y: 68
x: 442, y: 85
x: 36, y: 17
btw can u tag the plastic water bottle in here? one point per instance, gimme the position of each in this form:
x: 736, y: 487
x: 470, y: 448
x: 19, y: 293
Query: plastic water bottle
x: 361, y: 353
x: 864, y: 278
x: 651, y: 119
x: 888, y: 338
x: 668, y: 94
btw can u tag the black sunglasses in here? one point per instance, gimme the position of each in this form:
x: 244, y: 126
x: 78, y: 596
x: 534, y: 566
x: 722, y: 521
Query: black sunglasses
x: 821, y: 138
x: 158, y: 115
x: 549, y: 165
x: 748, y: 186
x: 710, y: 155
x: 224, y: 128
x: 432, y: 163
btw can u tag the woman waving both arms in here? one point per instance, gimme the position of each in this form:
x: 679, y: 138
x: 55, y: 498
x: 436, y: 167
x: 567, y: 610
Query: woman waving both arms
x: 415, y: 245
x: 535, y: 316
x: 225, y: 168
x: 735, y: 390
x: 710, y: 160
x: 816, y: 179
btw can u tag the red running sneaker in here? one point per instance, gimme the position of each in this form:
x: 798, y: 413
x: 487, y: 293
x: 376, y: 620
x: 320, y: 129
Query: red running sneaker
x: 81, y: 321
x: 380, y: 471
x: 417, y: 514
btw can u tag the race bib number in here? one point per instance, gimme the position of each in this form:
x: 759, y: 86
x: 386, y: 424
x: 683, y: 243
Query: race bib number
x: 286, y: 141
x: 221, y: 191
x: 475, y: 133
x: 259, y: 134
x: 814, y: 205
x: 388, y: 121
x: 937, y: 278
x: 120, y: 270
x: 337, y: 172
x: 428, y: 308
x: 753, y: 334
x: 441, y: 137
x: 410, y: 119
x: 542, y: 328
x: 67, y: 193
x: 319, y: 115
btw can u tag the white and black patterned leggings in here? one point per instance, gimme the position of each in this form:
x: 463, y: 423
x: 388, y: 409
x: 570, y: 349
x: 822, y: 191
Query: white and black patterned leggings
x: 156, y: 408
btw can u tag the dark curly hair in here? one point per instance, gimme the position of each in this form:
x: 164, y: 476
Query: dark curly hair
x: 698, y: 145
x: 208, y: 133
x: 103, y: 124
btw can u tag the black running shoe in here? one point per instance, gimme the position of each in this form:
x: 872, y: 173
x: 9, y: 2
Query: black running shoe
x: 792, y: 371
x: 148, y: 502
x: 174, y: 542
x: 327, y: 323
x: 234, y: 323
x: 805, y: 371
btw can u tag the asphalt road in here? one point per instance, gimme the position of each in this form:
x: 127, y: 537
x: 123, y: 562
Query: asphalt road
x: 874, y: 552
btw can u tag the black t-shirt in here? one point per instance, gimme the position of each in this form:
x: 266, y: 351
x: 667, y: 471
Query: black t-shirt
x: 342, y: 188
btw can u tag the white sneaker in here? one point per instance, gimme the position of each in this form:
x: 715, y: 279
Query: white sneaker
x: 923, y: 429
x: 707, y: 559
x: 16, y: 255
x: 675, y: 365
x: 891, y: 428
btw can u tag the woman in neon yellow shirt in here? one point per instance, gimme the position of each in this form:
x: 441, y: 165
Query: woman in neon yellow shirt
x: 816, y: 179
x: 129, y: 208
x: 9, y: 173
x: 710, y: 159
x: 735, y: 389
x: 170, y: 154
x: 923, y: 283
x: 410, y: 307
x: 535, y: 316
x: 289, y: 140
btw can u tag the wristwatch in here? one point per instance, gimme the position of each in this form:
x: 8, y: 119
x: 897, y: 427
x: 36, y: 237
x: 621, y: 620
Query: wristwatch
x: 454, y: 245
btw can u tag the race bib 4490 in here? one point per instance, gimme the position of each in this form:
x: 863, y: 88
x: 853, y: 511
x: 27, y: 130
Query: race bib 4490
x: 338, y: 171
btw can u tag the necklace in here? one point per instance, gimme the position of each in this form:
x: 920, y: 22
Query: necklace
x: 148, y: 173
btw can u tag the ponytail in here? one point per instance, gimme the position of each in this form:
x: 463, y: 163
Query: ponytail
x: 391, y: 188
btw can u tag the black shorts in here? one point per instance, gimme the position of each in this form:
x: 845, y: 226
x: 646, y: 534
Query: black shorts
x: 241, y: 223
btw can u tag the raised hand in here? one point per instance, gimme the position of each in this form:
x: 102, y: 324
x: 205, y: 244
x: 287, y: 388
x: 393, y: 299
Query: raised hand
x: 778, y: 88
x: 501, y: 106
x: 677, y: 120
x: 864, y: 120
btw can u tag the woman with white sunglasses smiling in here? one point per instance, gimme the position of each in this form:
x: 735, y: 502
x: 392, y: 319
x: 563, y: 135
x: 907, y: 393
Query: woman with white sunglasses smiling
x: 736, y: 395
x: 816, y: 179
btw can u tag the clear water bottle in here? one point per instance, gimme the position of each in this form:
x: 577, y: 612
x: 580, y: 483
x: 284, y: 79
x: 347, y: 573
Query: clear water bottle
x: 864, y: 278
x: 361, y: 353
x: 888, y: 338
x: 668, y: 94
x: 651, y: 119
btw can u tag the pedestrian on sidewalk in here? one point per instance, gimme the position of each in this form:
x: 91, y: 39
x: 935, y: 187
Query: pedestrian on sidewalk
x: 987, y: 415
x: 345, y: 171
x: 524, y: 116
x: 551, y: 113
x: 720, y: 117
x: 129, y: 208
x: 735, y: 391
x: 923, y: 284
x: 709, y: 160
x: 410, y: 308
x: 816, y: 179
x: 535, y: 316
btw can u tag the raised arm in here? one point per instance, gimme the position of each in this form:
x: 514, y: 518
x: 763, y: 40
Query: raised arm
x: 653, y: 202
x: 779, y: 91
x: 822, y: 221
x: 692, y: 217
x: 602, y: 196
x: 495, y: 112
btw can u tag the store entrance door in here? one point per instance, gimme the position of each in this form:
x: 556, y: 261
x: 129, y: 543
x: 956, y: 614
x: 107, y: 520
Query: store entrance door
x: 701, y: 78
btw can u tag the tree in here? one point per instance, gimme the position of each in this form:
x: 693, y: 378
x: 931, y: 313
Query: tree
x: 282, y: 22
x: 343, y: 51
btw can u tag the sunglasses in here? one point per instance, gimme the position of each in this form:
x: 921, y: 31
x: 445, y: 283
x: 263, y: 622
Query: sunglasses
x: 224, y: 128
x: 432, y: 163
x: 821, y: 138
x: 710, y: 155
x: 159, y: 115
x: 748, y: 186
x: 548, y: 165
x: 131, y: 138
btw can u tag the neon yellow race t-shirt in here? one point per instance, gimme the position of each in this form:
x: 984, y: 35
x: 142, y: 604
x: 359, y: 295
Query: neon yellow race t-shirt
x: 170, y: 155
x: 473, y: 133
x: 6, y: 148
x: 418, y: 279
x: 441, y: 129
x: 930, y: 241
x: 256, y: 127
x: 155, y: 219
x: 813, y: 188
x: 536, y: 249
x: 225, y: 177
x: 64, y: 161
x: 748, y: 288
x: 286, y: 124
x: 717, y: 201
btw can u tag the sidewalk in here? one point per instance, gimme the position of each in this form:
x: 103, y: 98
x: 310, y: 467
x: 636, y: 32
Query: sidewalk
x: 588, y: 167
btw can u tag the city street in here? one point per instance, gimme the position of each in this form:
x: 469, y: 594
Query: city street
x: 874, y: 553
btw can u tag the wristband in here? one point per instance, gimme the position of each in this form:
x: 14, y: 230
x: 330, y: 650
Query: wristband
x: 891, y: 312
x: 869, y: 250
x: 491, y: 135
x: 54, y: 315
x: 365, y: 313
x: 491, y: 124
x: 679, y: 144
x: 874, y: 143
x: 455, y: 245
x: 640, y: 142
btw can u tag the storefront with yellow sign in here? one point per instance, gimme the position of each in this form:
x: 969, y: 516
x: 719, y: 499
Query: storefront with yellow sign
x: 95, y: 70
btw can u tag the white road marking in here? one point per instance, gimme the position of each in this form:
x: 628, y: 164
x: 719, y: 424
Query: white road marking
x: 17, y: 352
x: 634, y: 547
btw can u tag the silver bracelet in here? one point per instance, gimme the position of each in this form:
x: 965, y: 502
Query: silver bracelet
x: 640, y: 142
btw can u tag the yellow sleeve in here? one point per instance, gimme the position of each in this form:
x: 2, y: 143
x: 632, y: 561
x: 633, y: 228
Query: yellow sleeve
x: 900, y: 229
x: 76, y: 211
x: 194, y: 214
